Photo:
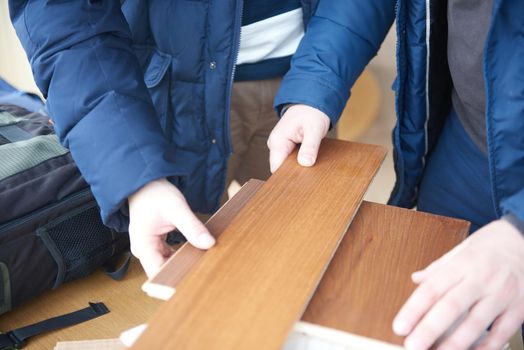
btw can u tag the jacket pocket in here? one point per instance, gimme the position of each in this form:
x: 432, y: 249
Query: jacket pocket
x: 189, y: 130
x: 155, y: 67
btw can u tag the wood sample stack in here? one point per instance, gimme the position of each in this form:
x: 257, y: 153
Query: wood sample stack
x: 369, y: 278
x: 258, y: 279
x: 249, y: 290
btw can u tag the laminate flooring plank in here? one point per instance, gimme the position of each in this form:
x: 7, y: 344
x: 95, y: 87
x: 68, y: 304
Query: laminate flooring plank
x: 249, y: 290
x: 369, y: 277
x: 163, y: 284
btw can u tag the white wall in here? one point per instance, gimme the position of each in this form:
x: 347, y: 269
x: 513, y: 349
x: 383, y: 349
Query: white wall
x: 14, y: 67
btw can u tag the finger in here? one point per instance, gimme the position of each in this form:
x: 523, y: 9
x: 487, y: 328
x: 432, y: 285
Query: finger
x: 475, y: 323
x: 191, y: 227
x: 443, y: 314
x: 422, y: 299
x: 421, y: 275
x: 307, y: 154
x: 150, y: 249
x: 503, y: 329
x: 280, y: 147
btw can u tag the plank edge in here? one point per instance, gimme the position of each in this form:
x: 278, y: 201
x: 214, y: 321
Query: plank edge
x: 336, y: 336
x: 158, y: 291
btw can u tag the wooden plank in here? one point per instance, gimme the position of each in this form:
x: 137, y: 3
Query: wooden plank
x: 98, y: 344
x: 249, y: 290
x: 309, y: 336
x: 163, y: 285
x: 369, y: 278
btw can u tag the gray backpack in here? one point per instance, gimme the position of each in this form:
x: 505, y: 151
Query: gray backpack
x: 50, y: 226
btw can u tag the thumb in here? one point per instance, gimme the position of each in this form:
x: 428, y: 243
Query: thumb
x: 191, y: 227
x: 307, y: 154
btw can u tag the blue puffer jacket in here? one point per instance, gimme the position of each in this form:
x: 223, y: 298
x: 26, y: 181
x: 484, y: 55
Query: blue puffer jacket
x: 326, y: 66
x: 139, y: 91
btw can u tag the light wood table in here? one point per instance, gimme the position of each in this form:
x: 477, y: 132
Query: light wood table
x: 129, y: 307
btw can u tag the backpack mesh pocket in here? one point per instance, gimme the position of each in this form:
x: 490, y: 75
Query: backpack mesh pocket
x: 79, y: 242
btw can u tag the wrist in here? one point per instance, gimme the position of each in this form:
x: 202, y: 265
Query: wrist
x: 286, y: 107
x: 515, y: 222
x: 150, y: 185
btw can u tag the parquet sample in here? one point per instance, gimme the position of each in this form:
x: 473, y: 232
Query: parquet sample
x: 99, y: 344
x: 249, y: 290
x: 369, y: 278
x: 163, y: 285
x: 309, y: 336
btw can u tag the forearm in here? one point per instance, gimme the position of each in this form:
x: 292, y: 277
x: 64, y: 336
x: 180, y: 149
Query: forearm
x: 338, y: 44
x: 83, y: 63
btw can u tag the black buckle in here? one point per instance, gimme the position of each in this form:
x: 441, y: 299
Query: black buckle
x: 9, y: 341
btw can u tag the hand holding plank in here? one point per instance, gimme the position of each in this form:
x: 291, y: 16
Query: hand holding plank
x: 154, y: 210
x: 479, y: 282
x: 300, y: 124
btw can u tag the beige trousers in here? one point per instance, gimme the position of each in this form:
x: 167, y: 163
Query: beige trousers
x: 252, y: 119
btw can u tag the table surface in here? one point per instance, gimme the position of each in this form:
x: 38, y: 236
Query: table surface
x: 129, y: 307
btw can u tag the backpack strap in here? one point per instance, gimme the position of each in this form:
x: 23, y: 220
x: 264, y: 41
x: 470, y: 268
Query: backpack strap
x: 13, y: 133
x: 16, y: 339
x: 115, y: 271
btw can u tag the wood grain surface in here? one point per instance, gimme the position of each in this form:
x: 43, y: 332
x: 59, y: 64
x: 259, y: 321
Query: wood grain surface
x: 163, y: 285
x: 249, y: 290
x: 368, y: 280
x: 129, y: 307
x: 369, y: 277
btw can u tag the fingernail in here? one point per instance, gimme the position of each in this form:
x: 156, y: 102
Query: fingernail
x: 400, y: 327
x: 306, y: 160
x: 205, y: 240
x: 414, y: 344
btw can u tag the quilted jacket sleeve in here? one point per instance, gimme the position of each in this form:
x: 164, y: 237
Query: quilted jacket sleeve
x: 82, y: 60
x: 340, y: 40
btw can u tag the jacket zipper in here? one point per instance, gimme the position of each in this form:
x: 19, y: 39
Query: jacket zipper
x: 73, y: 198
x: 236, y: 39
x: 399, y: 168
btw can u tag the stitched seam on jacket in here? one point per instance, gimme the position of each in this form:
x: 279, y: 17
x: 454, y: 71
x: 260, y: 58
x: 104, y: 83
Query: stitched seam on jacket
x: 489, y: 112
x: 428, y: 53
x: 321, y: 81
x: 35, y: 46
x: 349, y: 30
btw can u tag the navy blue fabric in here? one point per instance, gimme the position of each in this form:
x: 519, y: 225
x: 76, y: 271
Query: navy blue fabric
x: 456, y: 182
x: 326, y: 66
x: 267, y: 69
x: 255, y: 11
x: 138, y: 91
x: 338, y: 44
x: 10, y: 95
x: 258, y: 10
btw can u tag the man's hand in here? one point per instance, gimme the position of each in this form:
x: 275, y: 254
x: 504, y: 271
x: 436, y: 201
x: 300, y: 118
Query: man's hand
x: 154, y: 210
x: 299, y: 124
x: 478, y: 283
